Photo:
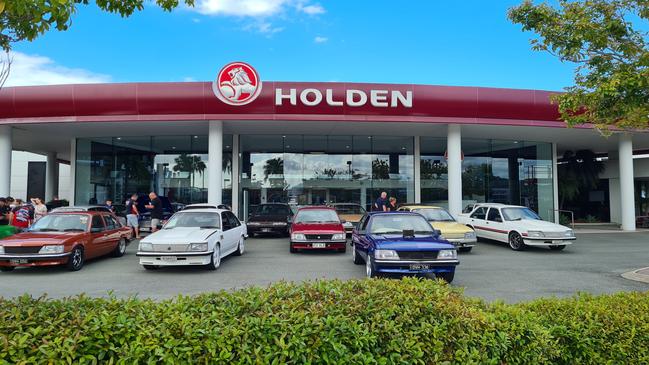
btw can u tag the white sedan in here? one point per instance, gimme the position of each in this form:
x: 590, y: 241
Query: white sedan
x: 516, y: 225
x: 201, y: 236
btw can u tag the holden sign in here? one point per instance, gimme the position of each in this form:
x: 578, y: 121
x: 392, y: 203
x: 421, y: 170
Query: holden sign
x: 239, y: 84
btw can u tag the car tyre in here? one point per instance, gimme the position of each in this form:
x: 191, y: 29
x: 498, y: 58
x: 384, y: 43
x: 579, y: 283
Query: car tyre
x: 151, y: 267
x: 241, y: 248
x: 76, y: 259
x: 516, y: 242
x: 120, y: 249
x: 358, y: 260
x: 215, y: 260
x: 557, y: 248
x: 370, y: 272
x: 464, y: 249
x: 446, y: 276
x: 7, y: 268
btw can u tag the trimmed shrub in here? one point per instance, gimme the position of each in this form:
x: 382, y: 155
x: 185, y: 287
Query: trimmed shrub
x: 407, y: 321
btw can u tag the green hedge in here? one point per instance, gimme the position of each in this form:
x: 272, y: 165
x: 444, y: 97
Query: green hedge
x: 405, y: 321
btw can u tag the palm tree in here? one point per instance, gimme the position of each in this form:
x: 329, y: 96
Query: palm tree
x: 273, y: 166
x: 191, y: 164
x: 578, y: 172
x: 380, y: 170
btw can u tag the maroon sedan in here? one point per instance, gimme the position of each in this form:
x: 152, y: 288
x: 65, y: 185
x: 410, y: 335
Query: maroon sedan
x: 317, y: 228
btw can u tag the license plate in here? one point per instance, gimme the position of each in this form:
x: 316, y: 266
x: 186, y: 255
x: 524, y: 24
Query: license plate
x: 266, y: 230
x: 168, y: 258
x: 19, y: 261
x: 319, y: 245
x: 419, y: 267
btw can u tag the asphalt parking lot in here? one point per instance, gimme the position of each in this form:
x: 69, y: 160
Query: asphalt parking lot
x: 492, y: 271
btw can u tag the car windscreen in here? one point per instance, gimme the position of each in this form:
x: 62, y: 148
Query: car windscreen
x: 396, y: 223
x: 516, y: 214
x: 272, y: 209
x: 194, y: 220
x: 349, y: 209
x: 316, y: 216
x: 436, y: 215
x: 61, y: 223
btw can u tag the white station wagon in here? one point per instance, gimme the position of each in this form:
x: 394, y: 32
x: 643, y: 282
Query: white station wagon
x: 516, y: 225
x: 200, y: 235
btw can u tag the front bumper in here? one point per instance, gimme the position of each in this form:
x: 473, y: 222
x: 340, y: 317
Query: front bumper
x: 267, y: 229
x: 463, y: 242
x: 309, y: 245
x: 174, y: 258
x: 33, y: 259
x: 404, y: 266
x: 548, y: 241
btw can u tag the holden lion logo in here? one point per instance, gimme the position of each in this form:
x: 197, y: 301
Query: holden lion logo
x: 237, y: 84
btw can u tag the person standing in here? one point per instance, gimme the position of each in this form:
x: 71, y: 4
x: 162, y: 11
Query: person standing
x: 155, y: 206
x: 5, y: 212
x: 40, y: 209
x: 132, y: 215
x: 109, y: 205
x: 381, y: 204
x: 392, y: 205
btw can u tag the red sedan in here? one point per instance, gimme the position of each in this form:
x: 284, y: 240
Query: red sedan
x: 317, y: 228
x: 65, y: 239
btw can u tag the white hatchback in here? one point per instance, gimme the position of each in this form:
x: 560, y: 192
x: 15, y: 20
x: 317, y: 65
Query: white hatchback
x: 516, y: 225
x: 193, y: 237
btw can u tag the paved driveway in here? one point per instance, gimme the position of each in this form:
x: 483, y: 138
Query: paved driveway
x: 491, y: 271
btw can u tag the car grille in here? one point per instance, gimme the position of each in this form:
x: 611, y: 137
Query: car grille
x: 25, y: 249
x: 318, y: 236
x: 453, y: 235
x: 554, y: 234
x: 180, y: 247
x: 417, y: 255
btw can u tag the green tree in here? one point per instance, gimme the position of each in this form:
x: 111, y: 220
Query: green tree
x: 577, y: 172
x: 27, y: 19
x: 607, y: 40
x: 380, y: 170
x: 273, y: 166
x: 430, y: 169
x: 190, y: 164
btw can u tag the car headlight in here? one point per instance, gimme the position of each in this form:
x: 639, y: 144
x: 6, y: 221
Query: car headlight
x: 145, y: 246
x: 279, y: 223
x: 51, y: 249
x: 386, y: 255
x: 2, y: 250
x: 200, y: 246
x: 569, y: 233
x: 469, y: 236
x: 447, y: 254
x: 253, y: 223
x: 339, y: 236
x: 535, y: 234
x: 298, y: 237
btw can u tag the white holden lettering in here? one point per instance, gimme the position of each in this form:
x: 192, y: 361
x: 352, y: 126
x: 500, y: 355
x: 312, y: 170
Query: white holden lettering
x: 330, y: 98
x: 292, y: 96
x: 397, y: 97
x: 379, y: 98
x: 353, y: 98
x: 304, y: 97
x: 350, y: 97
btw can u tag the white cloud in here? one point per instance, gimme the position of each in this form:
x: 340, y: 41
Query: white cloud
x: 320, y: 39
x: 196, y: 20
x: 264, y: 28
x: 255, y: 8
x: 39, y: 70
x: 188, y: 79
x: 311, y: 9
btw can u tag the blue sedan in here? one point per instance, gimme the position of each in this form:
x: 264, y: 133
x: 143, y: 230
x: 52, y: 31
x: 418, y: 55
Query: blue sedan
x: 402, y: 243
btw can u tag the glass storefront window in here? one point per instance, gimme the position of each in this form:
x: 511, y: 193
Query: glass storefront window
x: 433, y: 171
x: 173, y: 166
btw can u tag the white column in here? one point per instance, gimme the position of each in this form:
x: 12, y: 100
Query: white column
x: 215, y: 162
x: 417, y: 169
x: 5, y: 160
x: 235, y: 174
x: 627, y: 198
x: 555, y: 183
x: 51, y: 176
x: 73, y: 169
x: 454, y: 163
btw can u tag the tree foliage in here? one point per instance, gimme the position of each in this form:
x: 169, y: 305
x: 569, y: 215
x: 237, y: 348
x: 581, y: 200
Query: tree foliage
x: 607, y: 39
x: 578, y: 171
x: 27, y: 19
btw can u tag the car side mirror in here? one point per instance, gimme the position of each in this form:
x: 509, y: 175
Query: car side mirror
x: 437, y: 232
x: 343, y: 221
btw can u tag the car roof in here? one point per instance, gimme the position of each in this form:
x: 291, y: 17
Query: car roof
x: 498, y: 205
x: 77, y: 208
x: 315, y: 207
x: 420, y: 206
x: 371, y: 214
x: 334, y: 204
x: 203, y: 210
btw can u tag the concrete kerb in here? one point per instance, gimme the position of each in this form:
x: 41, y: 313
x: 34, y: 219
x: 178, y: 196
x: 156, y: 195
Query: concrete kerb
x: 641, y: 275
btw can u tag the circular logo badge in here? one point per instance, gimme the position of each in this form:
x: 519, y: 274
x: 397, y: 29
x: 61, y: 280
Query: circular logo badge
x: 237, y: 84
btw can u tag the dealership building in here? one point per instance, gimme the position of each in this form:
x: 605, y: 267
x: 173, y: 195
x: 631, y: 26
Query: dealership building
x: 242, y: 142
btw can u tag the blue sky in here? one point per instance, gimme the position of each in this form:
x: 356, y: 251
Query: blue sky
x: 464, y: 43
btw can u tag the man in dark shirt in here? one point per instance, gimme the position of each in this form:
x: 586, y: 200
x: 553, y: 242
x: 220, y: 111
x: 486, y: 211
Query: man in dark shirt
x: 4, y: 212
x: 155, y: 206
x: 381, y: 204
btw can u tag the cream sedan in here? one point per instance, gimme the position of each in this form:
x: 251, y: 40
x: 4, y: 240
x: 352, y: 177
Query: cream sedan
x: 191, y: 237
x: 516, y: 225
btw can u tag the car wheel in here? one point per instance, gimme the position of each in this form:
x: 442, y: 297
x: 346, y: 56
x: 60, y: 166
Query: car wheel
x: 240, y: 248
x: 446, y: 276
x: 76, y: 259
x: 358, y: 260
x: 464, y: 249
x: 369, y: 267
x: 215, y: 260
x: 151, y: 267
x: 120, y: 249
x: 7, y: 268
x: 557, y: 248
x: 516, y: 241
